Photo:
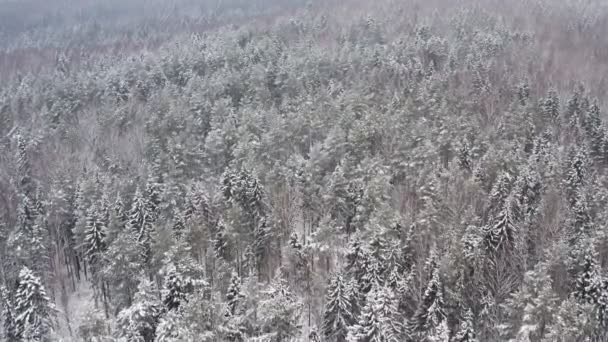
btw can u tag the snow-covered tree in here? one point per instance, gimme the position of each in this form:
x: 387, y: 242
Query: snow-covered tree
x: 441, y: 333
x: 138, y: 219
x: 175, y: 288
x: 279, y: 311
x: 220, y: 242
x: 34, y: 311
x: 122, y: 262
x: 94, y: 239
x: 367, y: 328
x: 573, y: 321
x: 589, y: 282
x: 234, y: 325
x: 531, y: 308
x: 501, y: 231
x: 576, y: 173
x: 550, y: 105
x: 339, y: 312
x: 379, y: 319
x: 234, y: 295
x: 466, y: 330
x: 431, y: 311
x: 138, y: 322
x: 9, y: 328
x: 182, y: 276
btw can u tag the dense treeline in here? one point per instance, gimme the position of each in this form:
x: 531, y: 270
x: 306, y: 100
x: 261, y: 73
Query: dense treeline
x: 386, y: 171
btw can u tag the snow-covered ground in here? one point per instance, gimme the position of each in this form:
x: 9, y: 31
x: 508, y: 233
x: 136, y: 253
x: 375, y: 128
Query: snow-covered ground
x: 72, y: 309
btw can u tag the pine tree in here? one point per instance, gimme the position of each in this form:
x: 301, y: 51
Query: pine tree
x: 233, y: 325
x: 367, y: 328
x: 34, y: 310
x: 550, y: 105
x: 261, y: 239
x: 39, y: 240
x: 589, y: 284
x: 431, y: 311
x: 500, y: 192
x: 220, y: 243
x: 580, y: 222
x: 182, y: 275
x: 576, y: 174
x: 531, y: 307
x: 280, y: 311
x: 117, y: 220
x: 439, y: 334
x: 501, y: 232
x: 24, y: 167
x: 194, y: 321
x: 523, y: 92
x: 122, y: 261
x: 464, y: 157
x: 152, y: 197
x: 138, y: 322
x: 573, y: 321
x: 388, y: 314
x: 140, y: 220
x: 466, y: 331
x: 595, y: 131
x: 8, y: 316
x: 360, y: 267
x: 576, y: 103
x: 28, y: 240
x: 378, y: 321
x: 137, y: 215
x: 119, y: 211
x: 179, y: 223
x: 94, y: 239
x: 176, y: 289
x: 339, y: 312
x: 234, y: 295
x: 528, y: 192
x: 245, y: 190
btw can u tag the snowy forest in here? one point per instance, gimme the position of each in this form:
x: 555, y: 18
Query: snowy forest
x: 292, y: 170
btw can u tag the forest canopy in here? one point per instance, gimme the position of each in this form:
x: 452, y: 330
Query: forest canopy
x: 361, y: 171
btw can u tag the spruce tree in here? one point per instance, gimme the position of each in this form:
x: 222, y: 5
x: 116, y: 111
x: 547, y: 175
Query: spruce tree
x: 233, y: 325
x: 94, y: 239
x: 34, y: 311
x: 441, y: 333
x: 220, y: 242
x: 140, y: 220
x: 576, y: 173
x: 550, y: 105
x: 379, y: 319
x: 466, y: 331
x: 589, y: 285
x: 339, y: 312
x: 24, y: 167
x: 176, y: 289
x: 367, y: 328
x: 501, y: 231
x: 280, y: 311
x: 595, y: 131
x: 137, y: 215
x: 9, y: 325
x: 138, y: 322
x: 386, y: 306
x: 531, y: 307
x: 431, y: 310
x: 464, y: 157
x: 122, y: 262
x: 234, y: 295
